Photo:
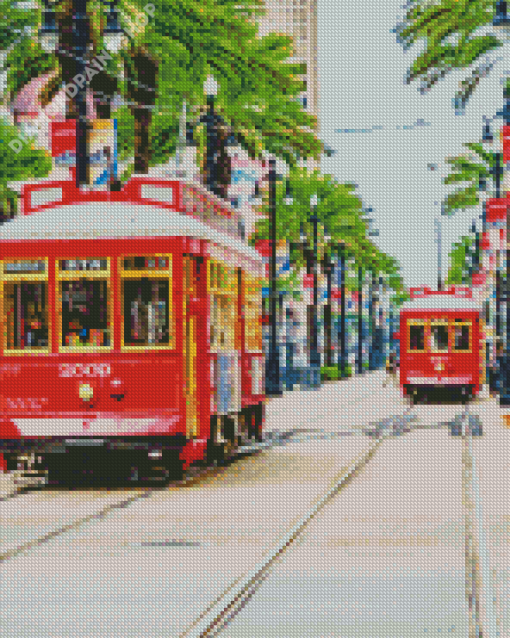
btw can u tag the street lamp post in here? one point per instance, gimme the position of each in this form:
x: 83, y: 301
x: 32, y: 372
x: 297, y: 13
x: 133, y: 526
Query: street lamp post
x: 501, y: 21
x: 372, y: 322
x: 289, y: 317
x: 211, y: 122
x: 329, y: 268
x: 48, y: 36
x: 360, y: 320
x: 273, y: 384
x: 315, y: 360
x: 343, y: 335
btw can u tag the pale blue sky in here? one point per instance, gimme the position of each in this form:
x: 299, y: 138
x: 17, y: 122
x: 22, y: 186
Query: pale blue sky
x: 361, y: 85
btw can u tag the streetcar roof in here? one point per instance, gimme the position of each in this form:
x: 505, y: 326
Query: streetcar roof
x: 441, y: 302
x: 97, y: 220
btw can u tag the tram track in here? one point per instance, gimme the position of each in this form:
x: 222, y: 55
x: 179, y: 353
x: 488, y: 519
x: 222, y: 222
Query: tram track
x: 273, y: 439
x: 481, y: 593
x: 194, y: 475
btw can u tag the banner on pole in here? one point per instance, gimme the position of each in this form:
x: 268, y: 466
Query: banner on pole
x: 63, y: 143
x: 102, y: 152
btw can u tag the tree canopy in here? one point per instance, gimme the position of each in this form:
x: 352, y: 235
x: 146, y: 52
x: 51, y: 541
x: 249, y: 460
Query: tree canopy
x: 474, y: 168
x: 453, y: 36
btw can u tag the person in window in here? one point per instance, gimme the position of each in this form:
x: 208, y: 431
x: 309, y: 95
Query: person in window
x: 76, y: 332
x: 35, y: 332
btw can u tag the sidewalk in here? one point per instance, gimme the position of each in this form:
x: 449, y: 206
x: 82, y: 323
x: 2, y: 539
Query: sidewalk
x: 337, y: 405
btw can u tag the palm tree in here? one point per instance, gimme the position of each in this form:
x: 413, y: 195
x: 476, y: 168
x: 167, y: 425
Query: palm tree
x: 453, y: 34
x: 459, y: 270
x: 475, y: 169
x: 164, y: 63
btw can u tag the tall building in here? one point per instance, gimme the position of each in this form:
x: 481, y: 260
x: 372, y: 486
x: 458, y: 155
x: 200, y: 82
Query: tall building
x: 297, y: 18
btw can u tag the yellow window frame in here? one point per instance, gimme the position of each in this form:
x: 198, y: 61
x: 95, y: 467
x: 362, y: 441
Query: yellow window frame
x: 253, y: 314
x: 453, y: 325
x: 74, y: 275
x: 26, y: 278
x: 416, y: 322
x: 223, y: 290
x: 165, y: 274
x: 438, y: 322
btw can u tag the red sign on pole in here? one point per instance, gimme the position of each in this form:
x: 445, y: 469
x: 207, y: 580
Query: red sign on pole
x: 307, y: 281
x: 495, y: 209
x: 63, y: 139
x: 506, y: 143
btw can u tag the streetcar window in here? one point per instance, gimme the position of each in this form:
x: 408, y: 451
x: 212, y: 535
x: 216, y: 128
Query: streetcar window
x: 461, y: 337
x: 439, y: 337
x: 23, y: 266
x: 74, y: 265
x: 84, y: 304
x: 252, y: 315
x: 146, y: 311
x: 416, y: 337
x: 26, y: 316
x: 146, y: 262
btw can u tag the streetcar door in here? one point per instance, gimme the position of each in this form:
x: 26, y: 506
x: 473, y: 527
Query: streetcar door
x: 190, y: 348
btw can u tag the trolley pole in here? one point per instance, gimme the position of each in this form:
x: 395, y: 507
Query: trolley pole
x: 439, y: 276
x: 273, y: 386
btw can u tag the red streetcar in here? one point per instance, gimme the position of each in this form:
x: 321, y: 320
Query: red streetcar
x: 130, y: 331
x: 440, y: 342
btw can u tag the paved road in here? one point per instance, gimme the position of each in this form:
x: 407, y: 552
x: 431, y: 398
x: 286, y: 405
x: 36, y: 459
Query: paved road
x: 384, y: 558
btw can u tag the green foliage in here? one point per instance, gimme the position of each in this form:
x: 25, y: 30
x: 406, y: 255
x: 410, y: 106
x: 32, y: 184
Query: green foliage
x: 332, y: 373
x: 29, y: 163
x: 257, y: 86
x: 452, y: 34
x: 469, y: 169
x: 458, y: 272
x: 400, y: 298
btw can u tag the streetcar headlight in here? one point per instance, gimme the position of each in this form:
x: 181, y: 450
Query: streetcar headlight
x: 86, y: 392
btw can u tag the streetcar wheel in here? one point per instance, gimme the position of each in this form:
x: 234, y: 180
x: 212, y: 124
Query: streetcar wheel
x: 466, y: 393
x: 220, y: 444
x: 62, y: 471
x: 173, y: 465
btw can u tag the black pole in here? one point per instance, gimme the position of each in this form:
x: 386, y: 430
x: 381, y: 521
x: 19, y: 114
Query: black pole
x: 81, y: 37
x: 212, y: 143
x: 504, y: 397
x: 360, y: 319
x: 371, y: 323
x: 439, y: 274
x: 327, y: 313
x: 273, y: 387
x: 341, y: 261
x: 315, y: 360
x: 380, y: 327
